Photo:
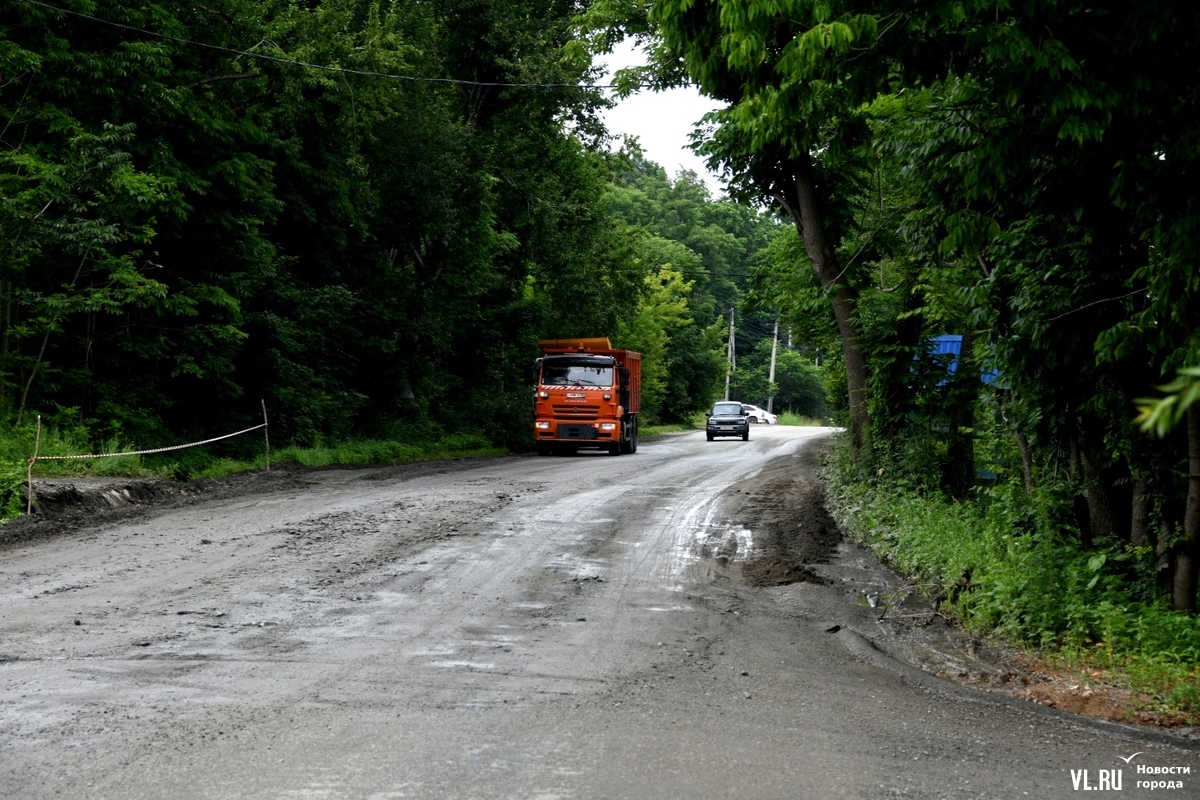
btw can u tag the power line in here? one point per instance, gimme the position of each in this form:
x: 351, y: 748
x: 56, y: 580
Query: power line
x: 328, y: 67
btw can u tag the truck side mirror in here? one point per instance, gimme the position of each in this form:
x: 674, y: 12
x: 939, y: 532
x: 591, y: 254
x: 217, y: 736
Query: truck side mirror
x: 531, y: 372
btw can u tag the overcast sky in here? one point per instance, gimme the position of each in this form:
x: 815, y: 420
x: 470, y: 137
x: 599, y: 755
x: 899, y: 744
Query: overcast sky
x: 661, y: 121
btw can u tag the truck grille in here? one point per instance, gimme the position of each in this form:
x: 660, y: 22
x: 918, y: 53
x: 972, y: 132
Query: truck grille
x: 576, y: 411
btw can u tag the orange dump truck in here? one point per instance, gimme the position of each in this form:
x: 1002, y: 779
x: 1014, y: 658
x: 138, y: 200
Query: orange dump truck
x: 588, y: 396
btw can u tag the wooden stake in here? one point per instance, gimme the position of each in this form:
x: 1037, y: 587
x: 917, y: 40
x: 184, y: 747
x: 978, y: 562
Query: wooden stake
x: 266, y: 434
x: 37, y: 446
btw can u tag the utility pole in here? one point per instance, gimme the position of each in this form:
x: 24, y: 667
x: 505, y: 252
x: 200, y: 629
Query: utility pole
x: 730, y: 355
x: 771, y: 375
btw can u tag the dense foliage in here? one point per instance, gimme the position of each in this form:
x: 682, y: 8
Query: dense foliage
x: 194, y: 220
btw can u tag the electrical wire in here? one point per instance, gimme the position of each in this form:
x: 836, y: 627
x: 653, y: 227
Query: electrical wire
x: 328, y: 67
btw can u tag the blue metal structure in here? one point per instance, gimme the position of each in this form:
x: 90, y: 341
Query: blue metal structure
x: 947, y: 348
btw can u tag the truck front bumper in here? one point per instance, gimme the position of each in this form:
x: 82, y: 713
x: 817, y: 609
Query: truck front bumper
x: 577, y: 432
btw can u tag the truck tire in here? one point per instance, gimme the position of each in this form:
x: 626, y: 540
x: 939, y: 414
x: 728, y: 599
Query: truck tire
x: 629, y: 443
x: 616, y: 448
x: 710, y: 436
x: 746, y: 435
x: 545, y: 449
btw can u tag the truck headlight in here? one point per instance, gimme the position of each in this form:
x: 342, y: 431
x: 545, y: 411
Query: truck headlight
x: 607, y: 426
x: 544, y: 425
x: 543, y: 395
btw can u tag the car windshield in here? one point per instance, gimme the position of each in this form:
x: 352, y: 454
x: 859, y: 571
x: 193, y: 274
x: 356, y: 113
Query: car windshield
x: 577, y: 374
x: 727, y: 410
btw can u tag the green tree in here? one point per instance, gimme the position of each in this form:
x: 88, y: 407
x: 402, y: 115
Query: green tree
x: 662, y: 311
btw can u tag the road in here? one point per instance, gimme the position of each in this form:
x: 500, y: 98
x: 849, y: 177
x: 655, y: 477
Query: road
x: 645, y: 626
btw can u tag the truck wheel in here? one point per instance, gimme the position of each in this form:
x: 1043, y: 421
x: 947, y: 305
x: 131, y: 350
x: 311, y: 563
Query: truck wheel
x: 629, y: 444
x: 616, y: 448
x: 746, y: 435
x: 710, y: 436
x: 545, y: 449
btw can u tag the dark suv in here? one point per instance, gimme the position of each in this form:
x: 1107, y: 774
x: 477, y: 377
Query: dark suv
x: 728, y: 418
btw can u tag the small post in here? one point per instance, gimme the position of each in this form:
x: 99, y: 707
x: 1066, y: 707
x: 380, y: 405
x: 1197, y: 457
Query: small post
x: 37, y: 446
x: 266, y: 434
x: 771, y: 376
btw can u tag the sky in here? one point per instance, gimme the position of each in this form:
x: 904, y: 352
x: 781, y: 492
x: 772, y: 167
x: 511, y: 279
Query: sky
x: 661, y: 121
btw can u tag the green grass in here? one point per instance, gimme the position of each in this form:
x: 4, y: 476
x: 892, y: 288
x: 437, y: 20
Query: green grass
x: 788, y: 418
x: 363, y: 452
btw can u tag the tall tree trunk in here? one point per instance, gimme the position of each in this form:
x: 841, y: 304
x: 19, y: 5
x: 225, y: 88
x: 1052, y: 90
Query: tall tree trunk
x: 1144, y: 489
x: 1188, y: 555
x: 1099, y: 499
x: 1082, y: 512
x: 1140, y: 533
x: 804, y: 207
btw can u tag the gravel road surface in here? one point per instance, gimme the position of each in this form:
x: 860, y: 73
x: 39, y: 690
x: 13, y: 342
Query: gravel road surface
x: 684, y: 622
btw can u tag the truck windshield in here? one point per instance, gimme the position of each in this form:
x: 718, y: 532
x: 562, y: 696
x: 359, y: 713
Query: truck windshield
x: 727, y: 410
x: 576, y: 375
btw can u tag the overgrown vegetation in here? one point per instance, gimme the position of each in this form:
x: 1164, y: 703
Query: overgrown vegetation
x: 1008, y: 563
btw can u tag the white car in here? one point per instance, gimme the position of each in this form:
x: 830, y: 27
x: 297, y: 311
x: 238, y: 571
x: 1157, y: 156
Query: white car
x: 759, y: 416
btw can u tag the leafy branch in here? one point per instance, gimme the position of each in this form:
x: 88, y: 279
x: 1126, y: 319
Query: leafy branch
x: 1160, y: 415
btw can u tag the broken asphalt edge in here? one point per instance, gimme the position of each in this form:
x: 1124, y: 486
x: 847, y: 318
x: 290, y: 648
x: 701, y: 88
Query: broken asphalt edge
x: 867, y: 652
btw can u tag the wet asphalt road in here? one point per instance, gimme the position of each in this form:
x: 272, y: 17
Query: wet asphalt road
x: 522, y: 628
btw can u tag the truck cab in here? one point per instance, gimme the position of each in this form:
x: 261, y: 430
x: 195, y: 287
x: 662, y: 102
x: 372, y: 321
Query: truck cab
x: 587, y: 396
